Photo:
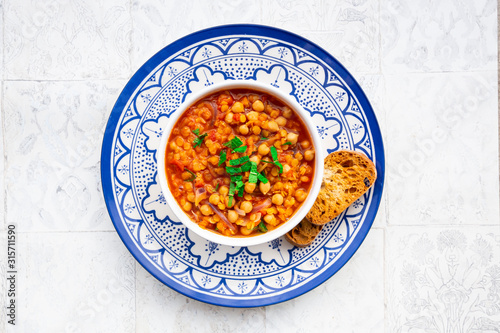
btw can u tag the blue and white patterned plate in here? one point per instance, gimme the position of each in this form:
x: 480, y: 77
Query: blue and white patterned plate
x: 212, y: 273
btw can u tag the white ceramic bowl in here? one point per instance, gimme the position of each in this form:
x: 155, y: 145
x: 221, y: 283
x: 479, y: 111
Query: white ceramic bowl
x: 306, y: 205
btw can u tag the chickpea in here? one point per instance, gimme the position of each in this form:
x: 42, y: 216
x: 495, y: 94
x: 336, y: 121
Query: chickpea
x: 224, y: 108
x: 245, y: 231
x: 278, y: 199
x: 185, y: 131
x: 269, y: 218
x: 188, y: 186
x: 244, y: 129
x: 229, y: 118
x: 304, y: 179
x: 295, y: 162
x: 214, y: 160
x: 232, y: 216
x: 173, y: 146
x: 255, y: 159
x: 258, y: 106
x: 237, y: 107
x: 309, y: 155
x: 190, y: 197
x: 292, y: 137
x: 243, y: 118
x: 253, y: 97
x: 264, y: 188
x: 206, y: 114
x: 246, y: 206
x: 252, y: 116
x: 263, y: 149
x: 281, y: 121
x: 256, y: 130
x: 250, y: 187
x: 290, y: 201
x: 197, y: 166
x: 206, y: 210
x: 273, y: 126
x: 185, y: 175
x: 208, y: 177
x: 287, y: 112
x: 187, y: 206
x: 223, y: 190
x: 300, y: 195
x: 305, y: 144
x: 214, y: 199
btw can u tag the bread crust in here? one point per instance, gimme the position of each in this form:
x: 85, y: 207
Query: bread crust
x: 303, y: 234
x: 347, y: 176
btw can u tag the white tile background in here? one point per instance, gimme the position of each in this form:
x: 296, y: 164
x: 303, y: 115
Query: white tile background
x: 431, y: 262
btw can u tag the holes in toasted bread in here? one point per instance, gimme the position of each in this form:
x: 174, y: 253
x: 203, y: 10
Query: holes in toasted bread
x: 347, y: 164
x: 353, y: 190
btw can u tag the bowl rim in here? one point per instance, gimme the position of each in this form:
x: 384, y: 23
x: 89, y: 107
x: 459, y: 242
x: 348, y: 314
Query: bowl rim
x: 289, y: 100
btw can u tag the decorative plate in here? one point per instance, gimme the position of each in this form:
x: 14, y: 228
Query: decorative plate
x: 209, y: 272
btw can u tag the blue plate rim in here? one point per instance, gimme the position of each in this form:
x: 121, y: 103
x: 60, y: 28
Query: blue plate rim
x: 251, y: 30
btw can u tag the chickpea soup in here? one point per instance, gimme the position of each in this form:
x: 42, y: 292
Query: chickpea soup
x: 240, y: 162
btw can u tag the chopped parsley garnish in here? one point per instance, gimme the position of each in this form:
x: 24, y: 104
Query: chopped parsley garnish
x: 222, y: 157
x: 235, y: 178
x: 233, y: 143
x: 233, y: 170
x: 197, y: 132
x: 264, y: 161
x: 287, y: 143
x: 262, y: 227
x: 232, y: 188
x: 274, y: 154
x: 240, y: 186
x: 241, y: 149
x: 193, y: 175
x: 254, y: 175
x: 262, y: 138
x: 262, y: 178
x: 199, y: 140
x: 246, y: 167
x: 217, y: 187
x: 238, y: 161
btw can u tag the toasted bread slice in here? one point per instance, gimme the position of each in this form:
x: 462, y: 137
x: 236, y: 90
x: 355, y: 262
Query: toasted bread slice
x: 303, y: 233
x: 347, y: 176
